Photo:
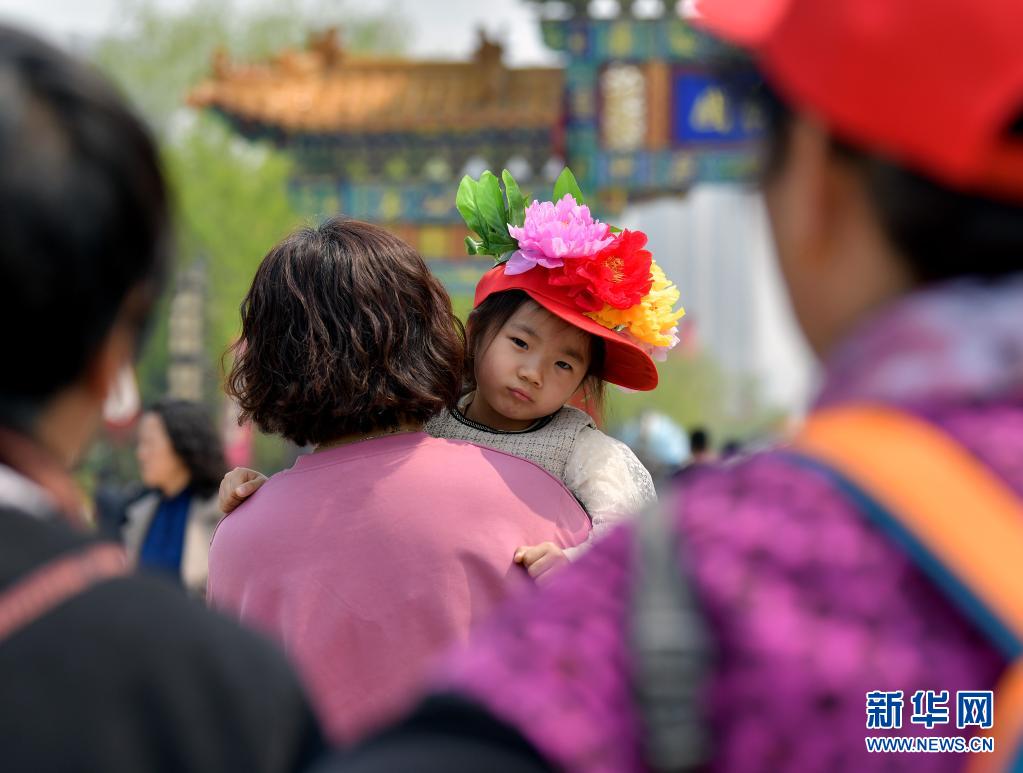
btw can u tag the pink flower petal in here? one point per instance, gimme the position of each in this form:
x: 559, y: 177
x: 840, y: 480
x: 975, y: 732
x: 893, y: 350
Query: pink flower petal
x: 518, y: 264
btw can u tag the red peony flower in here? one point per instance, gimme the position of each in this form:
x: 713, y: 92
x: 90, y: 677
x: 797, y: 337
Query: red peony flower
x: 618, y: 275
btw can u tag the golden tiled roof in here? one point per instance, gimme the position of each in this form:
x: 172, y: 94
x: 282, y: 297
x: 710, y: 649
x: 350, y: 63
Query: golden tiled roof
x: 324, y: 90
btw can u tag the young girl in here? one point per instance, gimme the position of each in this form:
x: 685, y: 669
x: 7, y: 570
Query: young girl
x: 573, y: 306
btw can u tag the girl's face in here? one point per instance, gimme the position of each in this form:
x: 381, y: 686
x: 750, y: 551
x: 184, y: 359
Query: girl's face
x: 531, y: 368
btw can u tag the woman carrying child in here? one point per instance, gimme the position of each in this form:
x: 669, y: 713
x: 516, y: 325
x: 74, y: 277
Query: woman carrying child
x: 573, y: 306
x: 384, y: 544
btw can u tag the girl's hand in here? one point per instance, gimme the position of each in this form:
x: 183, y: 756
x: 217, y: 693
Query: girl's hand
x: 541, y: 561
x: 239, y: 484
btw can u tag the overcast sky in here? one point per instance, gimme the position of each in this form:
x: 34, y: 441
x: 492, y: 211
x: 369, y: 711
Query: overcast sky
x: 439, y: 28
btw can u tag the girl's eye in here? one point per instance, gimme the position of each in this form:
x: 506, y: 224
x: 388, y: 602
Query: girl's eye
x: 519, y: 342
x: 563, y: 365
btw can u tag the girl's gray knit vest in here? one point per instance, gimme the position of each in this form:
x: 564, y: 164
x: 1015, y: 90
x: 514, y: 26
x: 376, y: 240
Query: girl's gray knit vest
x: 547, y: 443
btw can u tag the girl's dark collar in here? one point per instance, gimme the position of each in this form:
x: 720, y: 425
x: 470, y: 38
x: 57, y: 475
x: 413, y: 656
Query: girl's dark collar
x: 538, y: 424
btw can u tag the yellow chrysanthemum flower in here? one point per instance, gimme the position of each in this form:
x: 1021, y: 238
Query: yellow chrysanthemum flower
x: 653, y: 319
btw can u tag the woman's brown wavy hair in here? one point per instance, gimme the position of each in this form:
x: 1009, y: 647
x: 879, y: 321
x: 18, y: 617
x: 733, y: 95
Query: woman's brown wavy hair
x: 344, y: 330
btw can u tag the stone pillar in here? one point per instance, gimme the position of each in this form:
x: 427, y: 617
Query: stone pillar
x: 186, y: 370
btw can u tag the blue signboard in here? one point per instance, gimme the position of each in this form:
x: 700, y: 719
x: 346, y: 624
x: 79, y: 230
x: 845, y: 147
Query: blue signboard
x: 706, y: 111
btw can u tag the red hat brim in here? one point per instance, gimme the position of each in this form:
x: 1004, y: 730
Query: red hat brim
x: 625, y: 363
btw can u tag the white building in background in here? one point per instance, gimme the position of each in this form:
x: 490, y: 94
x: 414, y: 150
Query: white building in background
x: 714, y: 244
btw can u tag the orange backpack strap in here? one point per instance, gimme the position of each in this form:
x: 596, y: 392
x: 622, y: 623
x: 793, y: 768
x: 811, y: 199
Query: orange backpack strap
x: 959, y: 521
x: 51, y: 584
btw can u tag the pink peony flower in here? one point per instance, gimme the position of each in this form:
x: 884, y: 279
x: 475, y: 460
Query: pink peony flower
x: 553, y: 232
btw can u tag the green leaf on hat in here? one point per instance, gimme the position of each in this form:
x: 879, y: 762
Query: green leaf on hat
x: 499, y: 248
x: 492, y: 208
x: 516, y: 201
x: 465, y: 202
x: 566, y: 183
x: 472, y: 246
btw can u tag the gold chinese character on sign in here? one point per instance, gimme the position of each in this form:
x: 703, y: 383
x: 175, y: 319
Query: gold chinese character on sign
x: 620, y: 39
x: 710, y: 112
x: 682, y: 40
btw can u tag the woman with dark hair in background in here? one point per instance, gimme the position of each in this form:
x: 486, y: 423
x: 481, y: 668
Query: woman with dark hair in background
x: 181, y: 457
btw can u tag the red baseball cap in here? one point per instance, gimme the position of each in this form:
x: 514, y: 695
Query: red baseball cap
x: 933, y: 85
x: 625, y: 363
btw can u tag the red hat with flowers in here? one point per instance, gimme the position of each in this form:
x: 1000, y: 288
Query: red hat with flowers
x: 598, y: 278
x: 935, y: 85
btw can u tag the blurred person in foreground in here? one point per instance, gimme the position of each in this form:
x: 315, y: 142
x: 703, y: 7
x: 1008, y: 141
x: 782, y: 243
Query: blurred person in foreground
x: 101, y: 671
x: 181, y: 458
x: 775, y: 613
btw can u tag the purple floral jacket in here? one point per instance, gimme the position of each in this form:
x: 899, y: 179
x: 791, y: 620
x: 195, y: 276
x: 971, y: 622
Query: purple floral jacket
x: 806, y: 605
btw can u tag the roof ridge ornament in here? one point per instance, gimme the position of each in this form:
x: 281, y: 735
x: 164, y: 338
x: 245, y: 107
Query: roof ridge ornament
x: 327, y: 44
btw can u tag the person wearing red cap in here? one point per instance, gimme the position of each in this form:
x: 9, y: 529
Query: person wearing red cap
x: 573, y: 306
x: 788, y: 612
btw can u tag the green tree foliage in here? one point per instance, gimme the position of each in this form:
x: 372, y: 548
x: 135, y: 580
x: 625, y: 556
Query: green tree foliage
x: 231, y: 196
x: 232, y: 206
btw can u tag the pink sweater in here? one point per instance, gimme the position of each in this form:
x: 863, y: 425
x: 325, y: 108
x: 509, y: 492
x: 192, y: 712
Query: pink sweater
x: 365, y: 560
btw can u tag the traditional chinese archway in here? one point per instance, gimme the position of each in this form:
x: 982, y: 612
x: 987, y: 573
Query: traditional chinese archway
x: 635, y: 112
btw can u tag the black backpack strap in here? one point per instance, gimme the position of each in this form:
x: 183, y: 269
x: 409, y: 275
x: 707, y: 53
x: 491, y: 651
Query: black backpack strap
x: 671, y: 649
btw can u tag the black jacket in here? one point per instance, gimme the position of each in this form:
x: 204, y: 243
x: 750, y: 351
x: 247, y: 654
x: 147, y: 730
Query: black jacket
x: 131, y: 675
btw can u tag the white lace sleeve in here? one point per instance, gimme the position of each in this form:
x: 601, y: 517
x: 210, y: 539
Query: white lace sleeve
x: 609, y: 480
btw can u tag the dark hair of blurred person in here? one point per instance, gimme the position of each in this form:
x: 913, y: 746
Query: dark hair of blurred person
x: 71, y: 155
x: 699, y: 445
x: 181, y: 457
x: 730, y: 448
x: 806, y: 584
x: 88, y: 653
